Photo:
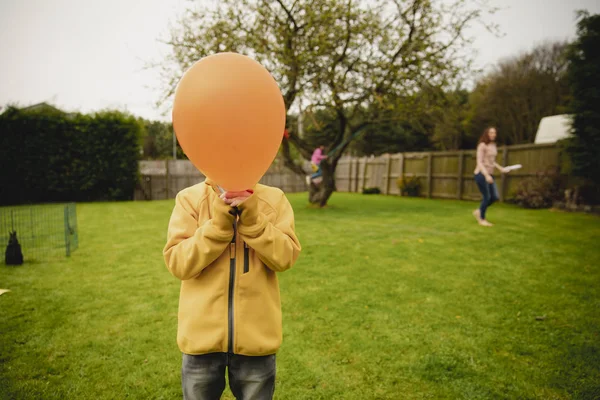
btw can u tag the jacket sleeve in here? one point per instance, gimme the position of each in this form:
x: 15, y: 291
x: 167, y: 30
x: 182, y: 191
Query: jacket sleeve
x: 275, y: 243
x: 480, y: 156
x: 191, y: 248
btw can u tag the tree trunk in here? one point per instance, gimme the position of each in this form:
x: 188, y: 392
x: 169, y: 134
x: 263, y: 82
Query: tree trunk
x: 320, y: 194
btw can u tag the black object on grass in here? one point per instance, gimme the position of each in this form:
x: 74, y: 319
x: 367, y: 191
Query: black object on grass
x: 13, y: 254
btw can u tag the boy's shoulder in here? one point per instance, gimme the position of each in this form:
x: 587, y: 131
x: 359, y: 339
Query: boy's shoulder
x: 270, y: 194
x: 195, y: 192
x: 272, y: 197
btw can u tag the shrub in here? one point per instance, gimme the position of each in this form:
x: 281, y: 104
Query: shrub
x: 50, y: 156
x: 373, y: 190
x: 583, y: 75
x: 539, y: 191
x: 409, y: 186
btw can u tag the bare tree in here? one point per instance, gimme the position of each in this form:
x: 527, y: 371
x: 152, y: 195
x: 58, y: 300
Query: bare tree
x: 354, y: 57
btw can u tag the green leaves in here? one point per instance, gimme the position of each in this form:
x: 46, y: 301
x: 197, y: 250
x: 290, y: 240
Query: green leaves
x: 50, y: 156
x: 584, y: 81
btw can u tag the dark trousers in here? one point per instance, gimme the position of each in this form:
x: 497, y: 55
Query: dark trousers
x: 317, y: 174
x: 250, y: 378
x: 489, y: 191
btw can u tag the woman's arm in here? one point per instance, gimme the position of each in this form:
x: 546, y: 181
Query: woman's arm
x: 500, y: 167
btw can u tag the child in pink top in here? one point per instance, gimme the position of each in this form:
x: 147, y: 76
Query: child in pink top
x: 315, y: 161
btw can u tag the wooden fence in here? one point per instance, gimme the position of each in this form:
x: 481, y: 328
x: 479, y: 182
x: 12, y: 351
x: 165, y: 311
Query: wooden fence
x: 447, y: 174
x: 163, y: 179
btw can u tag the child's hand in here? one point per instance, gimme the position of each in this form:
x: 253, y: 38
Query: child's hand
x: 234, y: 199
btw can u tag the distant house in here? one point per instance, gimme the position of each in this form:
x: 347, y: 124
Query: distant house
x: 41, y: 107
x: 553, y: 129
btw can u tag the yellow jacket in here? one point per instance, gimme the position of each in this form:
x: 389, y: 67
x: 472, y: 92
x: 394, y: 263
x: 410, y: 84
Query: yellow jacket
x: 229, y: 299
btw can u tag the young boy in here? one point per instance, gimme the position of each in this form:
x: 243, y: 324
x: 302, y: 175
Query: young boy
x: 226, y: 249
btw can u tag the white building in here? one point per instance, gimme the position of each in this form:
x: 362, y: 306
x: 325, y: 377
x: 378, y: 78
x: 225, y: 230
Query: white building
x: 553, y: 129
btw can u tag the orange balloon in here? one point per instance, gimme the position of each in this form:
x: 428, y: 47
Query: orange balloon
x: 228, y: 115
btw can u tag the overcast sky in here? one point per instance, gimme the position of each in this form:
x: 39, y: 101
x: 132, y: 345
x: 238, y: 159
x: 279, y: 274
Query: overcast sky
x: 85, y: 55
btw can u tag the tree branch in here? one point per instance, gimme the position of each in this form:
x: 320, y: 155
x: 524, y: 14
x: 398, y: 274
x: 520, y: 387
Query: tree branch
x: 289, y: 14
x: 458, y: 32
x: 303, y: 147
x: 287, y: 158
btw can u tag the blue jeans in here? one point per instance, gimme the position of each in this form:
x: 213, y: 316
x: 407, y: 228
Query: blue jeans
x: 250, y: 378
x: 317, y: 174
x: 489, y: 191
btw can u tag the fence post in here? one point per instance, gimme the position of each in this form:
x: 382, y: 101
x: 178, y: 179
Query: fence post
x: 401, y: 170
x: 67, y: 239
x: 167, y: 177
x: 350, y: 174
x: 461, y: 172
x: 388, y: 165
x: 429, y: 174
x: 356, y: 164
x: 31, y: 223
x: 364, y: 181
x: 503, y: 179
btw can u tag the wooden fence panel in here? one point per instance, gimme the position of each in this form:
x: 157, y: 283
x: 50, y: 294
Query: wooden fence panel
x: 361, y: 174
x: 534, y: 158
x: 396, y: 171
x: 442, y: 174
x: 469, y: 187
x: 344, y: 175
x: 376, y: 173
x: 444, y: 179
x: 417, y: 164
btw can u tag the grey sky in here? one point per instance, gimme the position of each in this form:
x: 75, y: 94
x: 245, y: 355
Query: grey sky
x: 87, y: 55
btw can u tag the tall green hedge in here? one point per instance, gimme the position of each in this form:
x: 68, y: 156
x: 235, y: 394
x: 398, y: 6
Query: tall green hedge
x: 584, y: 79
x: 51, y: 156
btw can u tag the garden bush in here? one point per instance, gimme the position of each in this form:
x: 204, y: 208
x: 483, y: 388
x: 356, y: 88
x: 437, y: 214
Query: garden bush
x: 409, y: 186
x: 50, y: 156
x: 373, y: 190
x: 539, y: 191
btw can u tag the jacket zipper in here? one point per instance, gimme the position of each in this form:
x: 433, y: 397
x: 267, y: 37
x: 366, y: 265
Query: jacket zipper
x: 246, y: 258
x: 231, y: 285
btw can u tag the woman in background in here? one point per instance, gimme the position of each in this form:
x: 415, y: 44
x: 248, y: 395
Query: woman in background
x: 486, y: 162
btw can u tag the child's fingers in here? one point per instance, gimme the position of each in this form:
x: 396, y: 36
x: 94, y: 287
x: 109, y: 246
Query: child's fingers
x: 237, y: 201
x: 232, y: 195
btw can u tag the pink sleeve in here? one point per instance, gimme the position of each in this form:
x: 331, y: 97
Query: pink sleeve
x: 317, y: 156
x: 320, y: 155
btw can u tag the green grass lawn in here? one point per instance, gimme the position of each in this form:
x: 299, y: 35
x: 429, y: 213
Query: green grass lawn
x: 392, y: 298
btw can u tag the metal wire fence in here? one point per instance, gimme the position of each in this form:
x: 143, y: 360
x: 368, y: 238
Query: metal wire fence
x: 43, y: 231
